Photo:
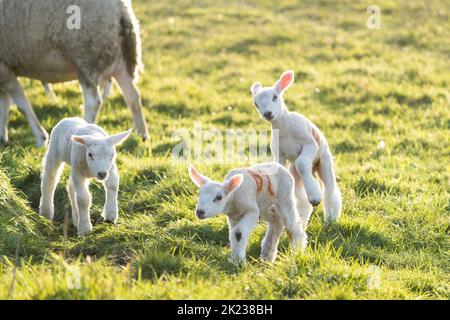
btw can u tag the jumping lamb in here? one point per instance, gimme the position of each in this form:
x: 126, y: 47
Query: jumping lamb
x: 39, y: 40
x: 263, y: 191
x: 91, y: 153
x: 298, y: 140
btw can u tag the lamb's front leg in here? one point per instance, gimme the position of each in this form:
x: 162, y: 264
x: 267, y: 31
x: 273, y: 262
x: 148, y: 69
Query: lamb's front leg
x: 240, y: 234
x: 50, y: 178
x: 304, y: 164
x: 83, y: 198
x: 111, y: 209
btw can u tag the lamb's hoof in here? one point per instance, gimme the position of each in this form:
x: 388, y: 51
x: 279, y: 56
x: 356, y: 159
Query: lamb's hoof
x: 46, y: 214
x: 314, y: 202
x: 329, y: 222
x: 237, y: 261
x: 269, y: 257
x: 102, y: 219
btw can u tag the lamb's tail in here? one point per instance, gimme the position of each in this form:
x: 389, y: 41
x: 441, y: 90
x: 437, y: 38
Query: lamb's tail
x: 131, y: 43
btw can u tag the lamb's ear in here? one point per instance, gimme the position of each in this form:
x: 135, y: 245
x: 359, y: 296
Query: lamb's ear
x: 286, y: 79
x: 118, y: 138
x: 82, y: 140
x: 233, y: 183
x: 196, y: 177
x: 255, y: 88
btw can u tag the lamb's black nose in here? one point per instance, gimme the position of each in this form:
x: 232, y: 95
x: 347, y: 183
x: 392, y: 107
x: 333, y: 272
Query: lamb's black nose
x: 268, y: 115
x: 200, y: 213
x: 102, y: 175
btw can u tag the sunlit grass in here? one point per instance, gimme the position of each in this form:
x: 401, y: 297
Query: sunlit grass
x: 359, y: 86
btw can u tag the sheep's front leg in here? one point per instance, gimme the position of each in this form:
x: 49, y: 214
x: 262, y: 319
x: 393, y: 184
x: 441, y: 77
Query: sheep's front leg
x: 92, y: 102
x: 111, y: 209
x: 14, y: 90
x: 269, y: 245
x: 83, y: 198
x: 133, y: 100
x: 240, y: 234
x: 304, y: 164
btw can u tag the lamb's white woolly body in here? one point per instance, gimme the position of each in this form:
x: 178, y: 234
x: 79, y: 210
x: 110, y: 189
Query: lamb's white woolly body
x: 265, y: 192
x: 35, y: 42
x: 304, y: 146
x: 91, y: 153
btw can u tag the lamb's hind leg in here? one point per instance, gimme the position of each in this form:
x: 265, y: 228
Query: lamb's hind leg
x: 4, y: 111
x: 73, y: 202
x: 133, y: 101
x: 111, y: 210
x: 290, y: 217
x: 332, y: 194
x: 50, y: 178
x: 269, y: 247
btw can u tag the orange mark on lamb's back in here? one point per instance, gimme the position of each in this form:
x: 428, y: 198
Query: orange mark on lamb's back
x: 257, y: 177
x: 316, y: 136
x: 269, y: 186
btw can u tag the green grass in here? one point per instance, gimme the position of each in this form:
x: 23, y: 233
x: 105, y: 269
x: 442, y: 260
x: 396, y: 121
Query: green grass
x: 359, y: 86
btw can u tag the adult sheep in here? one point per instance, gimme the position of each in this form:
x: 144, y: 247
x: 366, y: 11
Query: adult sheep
x: 40, y: 39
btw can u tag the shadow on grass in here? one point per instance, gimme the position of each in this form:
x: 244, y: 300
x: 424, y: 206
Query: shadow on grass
x: 366, y: 187
x: 353, y: 240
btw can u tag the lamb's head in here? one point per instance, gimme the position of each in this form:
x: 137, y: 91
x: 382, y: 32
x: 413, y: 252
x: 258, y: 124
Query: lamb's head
x: 100, y: 152
x: 269, y: 101
x: 213, y: 195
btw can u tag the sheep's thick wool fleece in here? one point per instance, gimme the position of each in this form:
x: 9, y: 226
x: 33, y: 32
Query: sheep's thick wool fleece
x: 30, y: 29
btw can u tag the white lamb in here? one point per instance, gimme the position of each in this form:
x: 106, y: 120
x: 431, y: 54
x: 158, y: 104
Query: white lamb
x: 263, y: 191
x: 91, y: 153
x: 304, y: 146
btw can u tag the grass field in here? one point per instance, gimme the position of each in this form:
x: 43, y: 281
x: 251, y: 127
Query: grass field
x: 359, y: 86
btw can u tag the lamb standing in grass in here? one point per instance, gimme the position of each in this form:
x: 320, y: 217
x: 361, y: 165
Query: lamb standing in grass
x: 91, y: 153
x: 304, y: 146
x: 263, y: 191
x: 38, y: 41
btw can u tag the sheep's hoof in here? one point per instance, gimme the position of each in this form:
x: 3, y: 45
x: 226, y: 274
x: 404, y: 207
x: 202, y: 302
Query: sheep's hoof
x: 100, y: 219
x: 48, y: 214
x: 237, y: 261
x: 84, y: 231
x: 42, y: 142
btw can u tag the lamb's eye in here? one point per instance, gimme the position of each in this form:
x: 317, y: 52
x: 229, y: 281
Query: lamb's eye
x: 91, y: 155
x: 218, y: 198
x: 275, y: 98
